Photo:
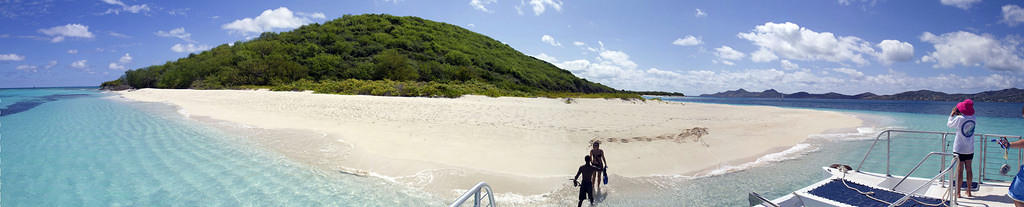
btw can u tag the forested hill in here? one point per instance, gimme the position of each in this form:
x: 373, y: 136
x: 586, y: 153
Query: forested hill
x: 404, y: 52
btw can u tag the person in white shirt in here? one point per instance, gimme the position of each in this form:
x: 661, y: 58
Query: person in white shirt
x: 962, y: 120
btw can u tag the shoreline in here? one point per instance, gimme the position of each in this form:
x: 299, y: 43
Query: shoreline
x: 361, y: 143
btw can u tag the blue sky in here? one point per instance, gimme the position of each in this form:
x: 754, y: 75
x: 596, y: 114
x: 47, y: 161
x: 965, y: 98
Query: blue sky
x: 847, y: 46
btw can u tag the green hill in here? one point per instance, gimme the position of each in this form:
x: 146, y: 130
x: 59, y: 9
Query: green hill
x: 367, y: 54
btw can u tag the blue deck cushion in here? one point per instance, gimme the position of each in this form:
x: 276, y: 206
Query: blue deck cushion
x: 836, y: 191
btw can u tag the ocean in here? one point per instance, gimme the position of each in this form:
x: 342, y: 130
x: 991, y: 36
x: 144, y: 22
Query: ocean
x: 84, y: 147
x: 81, y: 147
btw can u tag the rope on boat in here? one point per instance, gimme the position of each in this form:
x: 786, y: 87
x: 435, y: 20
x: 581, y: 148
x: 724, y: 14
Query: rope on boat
x: 869, y: 193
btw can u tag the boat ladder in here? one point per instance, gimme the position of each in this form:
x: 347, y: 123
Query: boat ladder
x: 476, y: 192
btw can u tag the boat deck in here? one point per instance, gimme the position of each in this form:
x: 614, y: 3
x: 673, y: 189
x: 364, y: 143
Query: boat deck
x: 986, y: 194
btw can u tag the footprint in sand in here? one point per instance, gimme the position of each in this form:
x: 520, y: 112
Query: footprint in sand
x: 686, y: 136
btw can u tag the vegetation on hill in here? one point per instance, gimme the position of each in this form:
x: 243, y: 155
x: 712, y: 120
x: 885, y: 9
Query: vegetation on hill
x: 369, y: 54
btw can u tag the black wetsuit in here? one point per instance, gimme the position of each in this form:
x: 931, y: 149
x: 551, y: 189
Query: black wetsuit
x: 587, y: 187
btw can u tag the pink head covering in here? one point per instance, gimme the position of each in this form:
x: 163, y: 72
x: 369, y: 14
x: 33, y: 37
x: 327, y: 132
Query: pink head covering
x: 966, y: 107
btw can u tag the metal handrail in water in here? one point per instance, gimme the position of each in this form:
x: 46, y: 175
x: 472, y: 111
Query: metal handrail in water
x: 475, y: 193
x: 949, y: 191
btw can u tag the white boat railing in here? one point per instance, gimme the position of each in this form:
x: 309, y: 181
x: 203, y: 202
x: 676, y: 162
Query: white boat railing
x: 983, y: 140
x: 949, y: 191
x: 475, y: 192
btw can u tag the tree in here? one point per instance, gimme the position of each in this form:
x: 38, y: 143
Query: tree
x: 392, y: 65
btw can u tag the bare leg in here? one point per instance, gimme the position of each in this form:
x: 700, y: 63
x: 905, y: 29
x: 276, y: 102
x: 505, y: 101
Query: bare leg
x: 959, y: 178
x: 597, y: 182
x: 1018, y: 204
x: 970, y: 177
x: 580, y: 204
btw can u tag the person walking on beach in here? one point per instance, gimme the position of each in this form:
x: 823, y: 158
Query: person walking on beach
x: 962, y: 120
x: 587, y: 187
x: 599, y: 162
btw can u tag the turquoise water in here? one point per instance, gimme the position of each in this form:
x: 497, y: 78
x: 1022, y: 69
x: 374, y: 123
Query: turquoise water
x: 80, y: 147
x: 92, y: 150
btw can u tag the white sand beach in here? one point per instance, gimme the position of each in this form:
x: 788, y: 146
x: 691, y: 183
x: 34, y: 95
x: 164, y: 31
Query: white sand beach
x: 525, y: 146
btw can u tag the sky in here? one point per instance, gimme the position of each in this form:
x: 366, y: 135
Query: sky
x: 693, y: 47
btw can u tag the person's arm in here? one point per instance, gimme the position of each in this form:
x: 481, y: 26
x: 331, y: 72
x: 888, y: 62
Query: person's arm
x: 953, y: 121
x: 578, y: 173
x: 1015, y: 144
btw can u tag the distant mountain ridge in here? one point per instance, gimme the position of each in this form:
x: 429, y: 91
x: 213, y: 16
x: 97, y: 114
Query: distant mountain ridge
x: 1005, y: 95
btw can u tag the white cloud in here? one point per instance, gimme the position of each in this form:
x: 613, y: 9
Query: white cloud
x: 471, y: 25
x: 118, y: 35
x: 50, y: 64
x: 34, y: 68
x: 27, y: 68
x: 134, y: 9
x: 700, y: 13
x: 11, y: 57
x: 546, y: 57
x: 895, y: 51
x: 539, y: 6
x: 578, y: 43
x: 689, y: 40
x: 127, y: 58
x: 189, y: 48
x: 763, y: 55
x: 788, y: 65
x: 849, y: 2
x: 70, y: 30
x: 849, y: 71
x: 79, y: 64
x: 115, y: 66
x: 550, y: 40
x: 1012, y: 15
x: 619, y: 58
x: 482, y: 5
x: 179, y: 33
x: 963, y: 4
x: 269, y: 20
x: 970, y: 50
x: 72, y: 51
x: 789, y: 40
x: 627, y: 75
x: 314, y: 15
x: 726, y: 52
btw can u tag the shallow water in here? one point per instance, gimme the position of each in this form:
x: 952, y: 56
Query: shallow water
x: 93, y: 150
x: 81, y: 147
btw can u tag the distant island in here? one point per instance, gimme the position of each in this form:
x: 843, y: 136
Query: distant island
x: 1005, y: 95
x: 371, y: 54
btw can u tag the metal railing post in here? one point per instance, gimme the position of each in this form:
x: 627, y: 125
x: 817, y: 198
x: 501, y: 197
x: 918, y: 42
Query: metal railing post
x: 943, y: 164
x: 888, y: 144
x: 476, y: 199
x: 984, y: 155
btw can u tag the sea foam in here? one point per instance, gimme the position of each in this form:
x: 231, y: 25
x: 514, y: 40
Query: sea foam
x: 788, y: 154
